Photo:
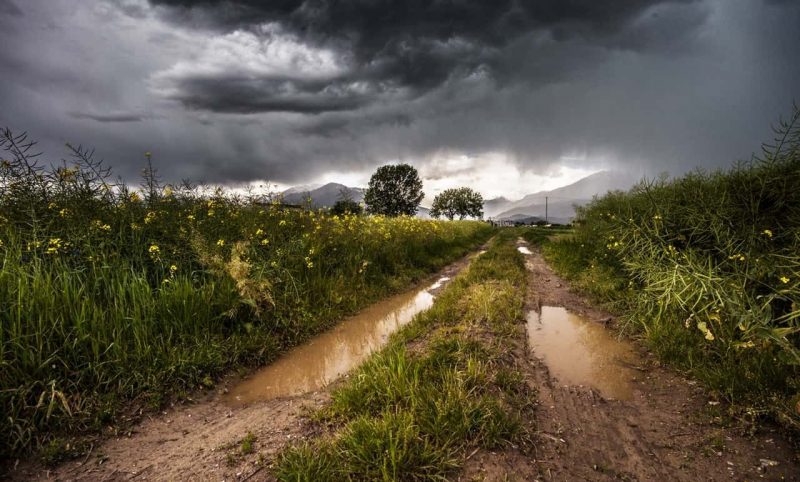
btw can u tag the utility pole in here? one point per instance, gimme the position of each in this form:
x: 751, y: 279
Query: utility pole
x: 545, y: 210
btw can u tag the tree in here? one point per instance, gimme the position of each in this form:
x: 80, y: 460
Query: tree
x: 394, y: 190
x: 345, y: 204
x: 461, y: 202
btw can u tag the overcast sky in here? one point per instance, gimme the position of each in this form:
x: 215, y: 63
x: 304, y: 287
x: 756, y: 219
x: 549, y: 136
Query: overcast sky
x: 508, y: 96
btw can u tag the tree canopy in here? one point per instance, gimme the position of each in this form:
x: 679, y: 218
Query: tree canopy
x: 394, y: 190
x: 461, y: 202
x: 346, y: 204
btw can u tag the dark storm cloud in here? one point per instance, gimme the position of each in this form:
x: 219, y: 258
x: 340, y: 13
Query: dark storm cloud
x: 406, y: 48
x: 111, y: 117
x: 287, y: 90
x: 7, y: 7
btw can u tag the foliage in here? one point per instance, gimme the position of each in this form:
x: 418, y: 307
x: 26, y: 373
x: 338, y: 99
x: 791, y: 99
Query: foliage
x: 394, y: 190
x: 461, y: 202
x: 707, y: 268
x: 413, y: 414
x: 109, y: 294
x: 346, y: 206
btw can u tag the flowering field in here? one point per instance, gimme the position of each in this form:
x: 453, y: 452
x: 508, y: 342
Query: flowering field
x: 108, y: 294
x: 707, y: 268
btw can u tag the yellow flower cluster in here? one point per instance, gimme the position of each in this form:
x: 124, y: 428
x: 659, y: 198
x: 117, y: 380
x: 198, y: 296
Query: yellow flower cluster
x: 54, y: 246
x: 154, y: 251
x: 100, y: 226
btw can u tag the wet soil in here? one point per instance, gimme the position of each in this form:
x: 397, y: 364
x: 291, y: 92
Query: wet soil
x: 580, y: 352
x: 665, y: 429
x: 201, y: 439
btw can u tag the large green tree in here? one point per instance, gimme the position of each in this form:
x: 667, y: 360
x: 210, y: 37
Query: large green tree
x: 461, y: 202
x: 394, y: 190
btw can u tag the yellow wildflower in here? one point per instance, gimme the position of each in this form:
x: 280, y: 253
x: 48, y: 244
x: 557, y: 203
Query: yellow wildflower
x: 282, y: 223
x: 767, y: 233
x: 259, y: 232
x: 784, y: 279
x: 220, y: 242
x: 64, y: 213
x: 190, y: 217
x: 54, y: 245
x: 134, y: 197
x: 264, y: 242
x: 173, y: 269
x: 154, y: 251
x: 150, y: 217
x: 309, y: 263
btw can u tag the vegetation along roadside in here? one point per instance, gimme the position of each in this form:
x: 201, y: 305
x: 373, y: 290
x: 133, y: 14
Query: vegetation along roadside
x: 444, y: 386
x: 110, y: 295
x: 705, y: 268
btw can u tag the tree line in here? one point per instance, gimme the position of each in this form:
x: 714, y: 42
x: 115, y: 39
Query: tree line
x: 396, y: 190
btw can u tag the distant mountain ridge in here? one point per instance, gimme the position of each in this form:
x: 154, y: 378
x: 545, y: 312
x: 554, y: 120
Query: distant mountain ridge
x: 322, y: 196
x: 558, y: 205
x: 560, y: 202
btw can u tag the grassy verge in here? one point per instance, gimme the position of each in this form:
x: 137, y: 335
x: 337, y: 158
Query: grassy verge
x: 110, y: 296
x: 706, y: 269
x: 444, y: 384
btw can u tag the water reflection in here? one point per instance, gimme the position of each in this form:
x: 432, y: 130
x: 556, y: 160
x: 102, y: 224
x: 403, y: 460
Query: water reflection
x: 331, y: 354
x: 580, y: 352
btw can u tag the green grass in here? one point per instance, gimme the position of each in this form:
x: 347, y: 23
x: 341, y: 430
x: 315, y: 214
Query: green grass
x: 440, y: 387
x: 110, y: 297
x: 706, y: 269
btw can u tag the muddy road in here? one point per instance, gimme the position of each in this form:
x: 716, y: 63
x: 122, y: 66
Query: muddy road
x: 204, y: 438
x: 605, y: 409
x: 608, y: 411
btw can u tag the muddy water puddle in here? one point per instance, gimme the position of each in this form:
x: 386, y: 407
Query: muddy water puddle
x: 581, y: 352
x: 325, y: 358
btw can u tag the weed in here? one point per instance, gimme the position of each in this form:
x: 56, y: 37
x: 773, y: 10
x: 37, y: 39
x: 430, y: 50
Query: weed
x: 109, y: 294
x: 706, y: 268
x: 411, y: 415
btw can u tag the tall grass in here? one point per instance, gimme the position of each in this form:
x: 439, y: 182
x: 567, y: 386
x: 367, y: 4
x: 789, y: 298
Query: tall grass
x: 412, y: 413
x: 707, y: 268
x: 109, y: 294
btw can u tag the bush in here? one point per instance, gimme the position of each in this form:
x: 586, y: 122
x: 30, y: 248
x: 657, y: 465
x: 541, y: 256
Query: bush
x: 707, y: 268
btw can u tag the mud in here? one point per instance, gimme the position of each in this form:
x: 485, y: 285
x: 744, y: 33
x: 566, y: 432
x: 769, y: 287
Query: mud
x: 322, y: 360
x: 200, y: 438
x: 669, y: 429
x: 581, y: 353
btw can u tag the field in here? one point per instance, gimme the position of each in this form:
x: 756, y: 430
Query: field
x: 111, y: 297
x: 706, y: 268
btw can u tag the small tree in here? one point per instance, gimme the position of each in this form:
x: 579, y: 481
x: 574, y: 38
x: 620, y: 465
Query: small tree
x: 461, y: 202
x: 394, y: 190
x: 345, y: 204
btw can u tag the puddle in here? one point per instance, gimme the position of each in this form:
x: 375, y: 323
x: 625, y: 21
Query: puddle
x: 524, y: 250
x: 581, y: 352
x: 328, y: 356
x: 435, y: 286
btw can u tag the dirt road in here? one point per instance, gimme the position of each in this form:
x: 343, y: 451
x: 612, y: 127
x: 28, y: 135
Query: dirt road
x: 664, y: 431
x: 203, y: 439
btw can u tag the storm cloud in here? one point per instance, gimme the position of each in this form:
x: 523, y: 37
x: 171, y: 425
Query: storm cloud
x: 289, y: 90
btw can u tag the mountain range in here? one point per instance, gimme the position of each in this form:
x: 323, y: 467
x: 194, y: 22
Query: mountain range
x: 560, y: 202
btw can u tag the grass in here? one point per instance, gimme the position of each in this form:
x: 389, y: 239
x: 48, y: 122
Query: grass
x: 110, y: 296
x: 705, y: 268
x: 443, y: 385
